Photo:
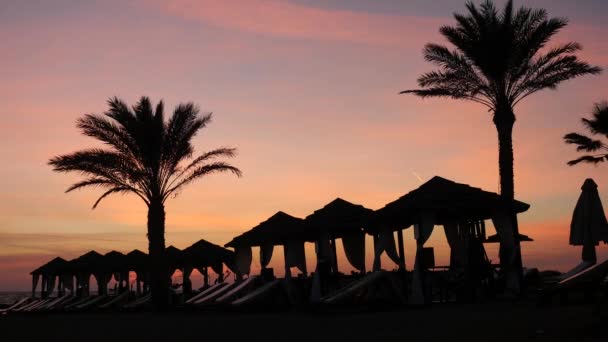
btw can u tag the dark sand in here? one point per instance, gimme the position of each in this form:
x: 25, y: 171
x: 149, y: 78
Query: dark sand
x: 452, y: 322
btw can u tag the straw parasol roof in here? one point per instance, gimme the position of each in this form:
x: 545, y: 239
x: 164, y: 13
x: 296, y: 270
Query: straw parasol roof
x: 450, y: 201
x: 276, y: 230
x: 339, y: 217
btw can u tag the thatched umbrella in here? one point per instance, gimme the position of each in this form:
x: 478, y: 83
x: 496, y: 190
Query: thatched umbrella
x: 588, y: 226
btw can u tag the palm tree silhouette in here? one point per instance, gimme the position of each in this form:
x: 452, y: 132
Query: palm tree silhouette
x: 148, y: 157
x: 597, y: 125
x: 499, y: 59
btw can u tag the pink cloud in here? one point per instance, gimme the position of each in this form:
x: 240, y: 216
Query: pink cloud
x: 281, y: 18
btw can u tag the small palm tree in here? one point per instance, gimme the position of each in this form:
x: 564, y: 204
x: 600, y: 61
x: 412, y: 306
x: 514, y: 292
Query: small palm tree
x: 500, y: 58
x: 146, y: 156
x: 597, y: 125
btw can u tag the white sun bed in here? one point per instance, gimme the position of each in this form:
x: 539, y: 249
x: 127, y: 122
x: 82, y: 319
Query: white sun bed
x: 39, y: 304
x: 78, y: 302
x: 351, y: 289
x: 16, y: 305
x: 138, y: 302
x: 205, y: 292
x: 115, y: 300
x: 52, y: 303
x: 242, y: 286
x: 91, y: 302
x: 260, y: 291
x: 32, y: 303
x: 215, y: 294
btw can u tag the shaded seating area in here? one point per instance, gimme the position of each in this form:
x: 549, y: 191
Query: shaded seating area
x: 462, y: 211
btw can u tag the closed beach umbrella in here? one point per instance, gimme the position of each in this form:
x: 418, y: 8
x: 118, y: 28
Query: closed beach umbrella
x: 589, y: 225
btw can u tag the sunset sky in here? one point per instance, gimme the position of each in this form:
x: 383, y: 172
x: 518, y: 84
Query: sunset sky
x: 307, y: 90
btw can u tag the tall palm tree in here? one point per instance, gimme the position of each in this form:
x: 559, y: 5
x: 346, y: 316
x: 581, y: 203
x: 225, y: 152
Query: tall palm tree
x: 597, y: 125
x: 146, y: 156
x: 500, y: 59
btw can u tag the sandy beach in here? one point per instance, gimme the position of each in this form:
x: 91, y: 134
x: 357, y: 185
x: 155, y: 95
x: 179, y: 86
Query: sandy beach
x: 474, y: 322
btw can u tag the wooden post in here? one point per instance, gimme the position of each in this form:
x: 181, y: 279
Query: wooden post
x: 287, y: 268
x: 379, y: 261
x: 401, y: 250
x: 335, y: 256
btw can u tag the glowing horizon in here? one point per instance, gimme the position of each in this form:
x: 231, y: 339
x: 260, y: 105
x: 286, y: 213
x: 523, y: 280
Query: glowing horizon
x: 308, y: 95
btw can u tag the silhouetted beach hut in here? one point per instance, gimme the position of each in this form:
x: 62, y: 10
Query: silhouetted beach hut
x: 279, y: 229
x: 137, y: 261
x: 345, y: 220
x: 49, y: 272
x: 201, y: 255
x: 115, y: 264
x: 91, y: 263
x: 174, y: 258
x: 461, y: 209
x: 588, y: 226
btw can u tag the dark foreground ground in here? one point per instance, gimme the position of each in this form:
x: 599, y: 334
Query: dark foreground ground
x: 476, y: 322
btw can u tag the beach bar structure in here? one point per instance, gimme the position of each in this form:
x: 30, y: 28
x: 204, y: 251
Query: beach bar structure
x: 462, y: 211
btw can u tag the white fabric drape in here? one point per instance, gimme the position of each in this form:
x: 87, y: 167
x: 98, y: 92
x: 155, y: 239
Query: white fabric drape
x: 50, y: 284
x: 323, y: 249
x: 354, y: 248
x: 385, y: 243
x: 68, y: 282
x: 35, y: 278
x: 507, y: 250
x: 295, y: 255
x: 422, y: 232
x: 458, y: 255
x: 243, y: 260
x: 266, y: 254
x: 218, y: 268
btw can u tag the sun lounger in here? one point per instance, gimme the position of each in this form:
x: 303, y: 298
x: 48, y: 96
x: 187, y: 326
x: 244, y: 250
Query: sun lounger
x: 36, y: 301
x: 257, y: 293
x: 205, y: 292
x: 51, y: 303
x: 78, y: 302
x: 215, y: 294
x: 242, y: 286
x: 588, y: 280
x: 91, y: 303
x: 16, y: 305
x: 138, y: 302
x: 352, y: 288
x: 63, y: 304
x: 39, y: 304
x: 117, y: 299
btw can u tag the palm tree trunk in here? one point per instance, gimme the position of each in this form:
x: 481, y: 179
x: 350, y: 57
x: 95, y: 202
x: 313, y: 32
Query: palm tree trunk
x: 156, y: 246
x: 504, y: 119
